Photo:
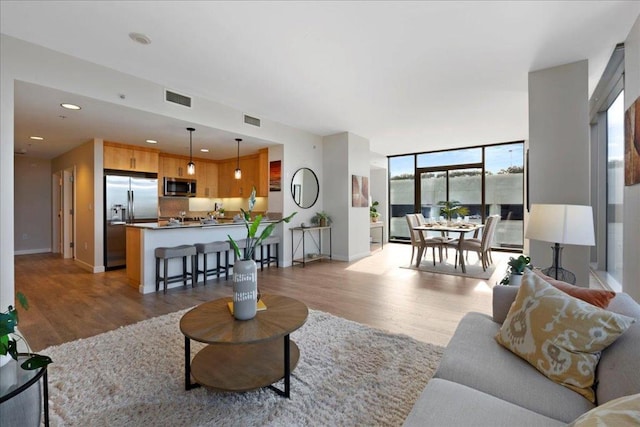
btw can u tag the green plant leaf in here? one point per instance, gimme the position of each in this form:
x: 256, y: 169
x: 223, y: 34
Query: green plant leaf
x: 236, y: 249
x: 22, y: 299
x: 36, y: 361
x: 8, y: 321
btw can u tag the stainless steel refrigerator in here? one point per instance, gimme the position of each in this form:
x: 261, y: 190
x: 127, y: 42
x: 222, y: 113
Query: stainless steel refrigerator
x: 129, y: 197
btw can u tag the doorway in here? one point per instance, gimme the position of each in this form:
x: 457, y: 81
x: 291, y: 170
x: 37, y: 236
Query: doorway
x: 63, y: 210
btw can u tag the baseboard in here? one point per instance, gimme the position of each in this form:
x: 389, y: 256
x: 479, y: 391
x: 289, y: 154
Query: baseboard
x: 33, y: 251
x: 88, y: 267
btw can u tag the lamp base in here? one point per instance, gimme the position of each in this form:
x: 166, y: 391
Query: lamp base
x: 556, y: 271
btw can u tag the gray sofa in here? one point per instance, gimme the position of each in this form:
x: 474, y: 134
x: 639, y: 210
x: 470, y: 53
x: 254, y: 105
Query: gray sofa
x: 480, y: 383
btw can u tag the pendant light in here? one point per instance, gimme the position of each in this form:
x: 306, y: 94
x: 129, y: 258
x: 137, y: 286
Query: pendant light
x: 238, y: 173
x: 191, y: 167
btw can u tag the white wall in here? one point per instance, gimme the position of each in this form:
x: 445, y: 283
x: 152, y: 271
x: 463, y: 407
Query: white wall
x: 32, y: 205
x: 23, y: 61
x: 631, y: 243
x: 346, y: 154
x: 336, y: 191
x: 559, y: 152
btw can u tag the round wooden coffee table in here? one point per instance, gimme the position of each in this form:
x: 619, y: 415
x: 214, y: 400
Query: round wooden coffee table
x: 242, y: 354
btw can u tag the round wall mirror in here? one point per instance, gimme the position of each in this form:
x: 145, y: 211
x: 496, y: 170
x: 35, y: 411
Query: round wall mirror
x: 305, y: 188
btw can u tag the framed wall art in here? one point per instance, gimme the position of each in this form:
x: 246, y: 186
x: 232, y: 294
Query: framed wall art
x: 632, y: 144
x: 359, y: 191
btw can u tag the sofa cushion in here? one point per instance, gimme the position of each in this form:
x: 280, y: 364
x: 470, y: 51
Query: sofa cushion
x: 623, y: 411
x: 445, y: 403
x: 560, y: 335
x: 598, y: 297
x: 474, y: 359
x: 618, y: 372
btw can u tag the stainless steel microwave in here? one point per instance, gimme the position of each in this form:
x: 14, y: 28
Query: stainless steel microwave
x: 179, y: 187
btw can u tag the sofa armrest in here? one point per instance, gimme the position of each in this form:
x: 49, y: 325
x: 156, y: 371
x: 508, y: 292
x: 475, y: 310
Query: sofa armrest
x: 503, y: 297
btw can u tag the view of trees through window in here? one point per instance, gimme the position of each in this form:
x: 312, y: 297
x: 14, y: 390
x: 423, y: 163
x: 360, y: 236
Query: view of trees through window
x: 487, y: 180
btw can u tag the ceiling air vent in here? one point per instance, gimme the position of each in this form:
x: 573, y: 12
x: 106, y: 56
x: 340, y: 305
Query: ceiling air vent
x: 251, y: 121
x: 176, y: 98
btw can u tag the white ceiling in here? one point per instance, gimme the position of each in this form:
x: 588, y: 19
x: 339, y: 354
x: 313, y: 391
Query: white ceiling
x: 409, y: 76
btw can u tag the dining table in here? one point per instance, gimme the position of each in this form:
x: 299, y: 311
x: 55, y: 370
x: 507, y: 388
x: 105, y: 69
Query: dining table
x: 462, y: 228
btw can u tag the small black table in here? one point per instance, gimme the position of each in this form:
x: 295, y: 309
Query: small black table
x: 14, y: 381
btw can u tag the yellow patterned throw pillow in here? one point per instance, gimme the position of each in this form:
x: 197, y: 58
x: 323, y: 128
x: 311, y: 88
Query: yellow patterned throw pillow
x: 561, y: 336
x: 623, y: 411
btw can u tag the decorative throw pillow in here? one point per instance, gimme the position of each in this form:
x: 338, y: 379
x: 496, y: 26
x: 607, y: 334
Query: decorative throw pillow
x: 623, y: 411
x: 561, y: 336
x: 598, y: 297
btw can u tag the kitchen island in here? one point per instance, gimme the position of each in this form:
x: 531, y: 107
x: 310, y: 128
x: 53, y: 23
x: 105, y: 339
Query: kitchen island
x: 144, y: 238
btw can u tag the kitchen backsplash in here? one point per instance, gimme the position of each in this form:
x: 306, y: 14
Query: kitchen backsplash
x: 197, y: 207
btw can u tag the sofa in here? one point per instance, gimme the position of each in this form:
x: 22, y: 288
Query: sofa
x: 479, y: 382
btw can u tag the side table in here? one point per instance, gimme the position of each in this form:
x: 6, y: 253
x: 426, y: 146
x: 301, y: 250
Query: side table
x: 20, y: 399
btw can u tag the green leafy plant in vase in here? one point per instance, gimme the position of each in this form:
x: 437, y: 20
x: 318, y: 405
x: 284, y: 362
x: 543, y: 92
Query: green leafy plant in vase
x: 321, y: 219
x: 252, y: 225
x: 373, y: 211
x: 9, y: 337
x: 245, y: 282
x: 515, y: 270
x: 453, y: 207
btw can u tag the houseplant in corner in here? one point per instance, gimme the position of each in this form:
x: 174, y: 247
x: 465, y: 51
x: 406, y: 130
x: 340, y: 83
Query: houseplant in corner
x: 515, y: 270
x: 245, y: 282
x: 9, y: 338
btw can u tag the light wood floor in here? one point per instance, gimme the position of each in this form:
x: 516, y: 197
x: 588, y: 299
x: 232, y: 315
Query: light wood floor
x: 68, y: 303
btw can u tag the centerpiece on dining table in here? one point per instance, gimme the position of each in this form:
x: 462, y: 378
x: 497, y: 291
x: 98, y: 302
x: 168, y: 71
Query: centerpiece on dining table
x: 450, y: 208
x: 245, y: 279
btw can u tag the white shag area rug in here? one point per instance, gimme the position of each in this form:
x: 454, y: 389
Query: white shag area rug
x: 348, y: 374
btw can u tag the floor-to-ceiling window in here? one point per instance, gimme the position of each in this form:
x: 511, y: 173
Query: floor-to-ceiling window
x: 487, y: 180
x: 615, y: 186
x: 607, y: 170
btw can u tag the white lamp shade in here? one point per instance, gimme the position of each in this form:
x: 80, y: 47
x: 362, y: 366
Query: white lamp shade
x: 566, y: 224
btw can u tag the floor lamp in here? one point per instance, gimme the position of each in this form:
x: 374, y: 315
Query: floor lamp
x: 561, y: 224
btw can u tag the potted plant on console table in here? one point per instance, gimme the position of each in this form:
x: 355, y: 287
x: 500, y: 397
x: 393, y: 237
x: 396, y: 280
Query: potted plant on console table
x: 245, y: 281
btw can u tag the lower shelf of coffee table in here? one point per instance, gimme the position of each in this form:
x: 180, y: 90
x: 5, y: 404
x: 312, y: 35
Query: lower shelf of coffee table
x: 242, y: 367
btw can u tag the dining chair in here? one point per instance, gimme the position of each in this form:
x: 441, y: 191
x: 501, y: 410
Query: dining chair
x: 444, y: 238
x: 482, y: 246
x: 421, y: 242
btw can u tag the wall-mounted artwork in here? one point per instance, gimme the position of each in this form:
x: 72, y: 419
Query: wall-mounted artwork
x: 275, y: 175
x: 359, y: 191
x: 632, y: 144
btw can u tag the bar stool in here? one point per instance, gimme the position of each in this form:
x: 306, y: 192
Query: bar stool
x: 211, y: 248
x: 165, y: 254
x: 270, y: 259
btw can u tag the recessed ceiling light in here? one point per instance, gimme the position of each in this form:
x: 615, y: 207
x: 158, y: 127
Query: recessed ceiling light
x: 37, y: 138
x: 204, y: 150
x: 140, y: 38
x: 70, y: 106
x: 152, y: 141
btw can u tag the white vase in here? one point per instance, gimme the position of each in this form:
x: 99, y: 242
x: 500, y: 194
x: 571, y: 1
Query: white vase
x: 245, y: 289
x: 515, y: 279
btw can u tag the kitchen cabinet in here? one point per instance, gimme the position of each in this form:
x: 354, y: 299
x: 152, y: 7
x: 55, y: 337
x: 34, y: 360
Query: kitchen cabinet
x: 123, y: 157
x: 207, y: 178
x: 174, y: 167
x: 254, y: 173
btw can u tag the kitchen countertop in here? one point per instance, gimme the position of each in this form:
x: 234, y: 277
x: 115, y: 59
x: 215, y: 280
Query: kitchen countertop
x: 164, y: 225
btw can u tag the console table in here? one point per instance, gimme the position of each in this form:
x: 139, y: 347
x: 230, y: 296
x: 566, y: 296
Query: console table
x: 379, y: 226
x: 312, y: 232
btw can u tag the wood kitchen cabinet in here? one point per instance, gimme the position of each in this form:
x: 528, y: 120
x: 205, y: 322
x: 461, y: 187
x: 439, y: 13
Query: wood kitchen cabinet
x: 207, y: 176
x: 123, y: 157
x: 254, y: 173
x: 174, y: 167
